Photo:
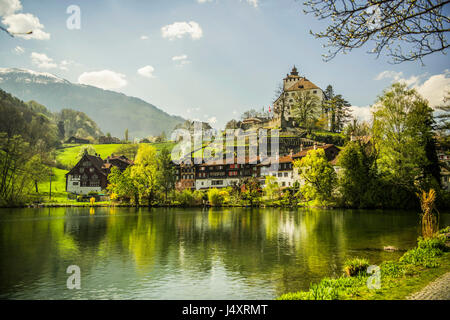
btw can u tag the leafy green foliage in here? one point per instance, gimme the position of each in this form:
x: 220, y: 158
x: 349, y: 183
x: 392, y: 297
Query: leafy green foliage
x: 402, y: 129
x: 359, y: 183
x: 215, y: 197
x: 318, y: 175
x: 355, y: 266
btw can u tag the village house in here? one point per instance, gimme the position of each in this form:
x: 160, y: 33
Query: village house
x: 222, y: 174
x: 90, y: 174
x: 285, y: 172
x: 77, y: 140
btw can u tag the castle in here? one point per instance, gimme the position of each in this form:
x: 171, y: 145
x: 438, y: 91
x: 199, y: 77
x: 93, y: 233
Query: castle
x: 293, y: 85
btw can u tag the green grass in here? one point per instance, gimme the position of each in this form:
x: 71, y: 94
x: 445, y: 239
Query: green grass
x: 68, y: 154
x: 399, y: 279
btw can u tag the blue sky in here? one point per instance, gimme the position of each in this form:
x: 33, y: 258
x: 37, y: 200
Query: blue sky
x: 233, y: 59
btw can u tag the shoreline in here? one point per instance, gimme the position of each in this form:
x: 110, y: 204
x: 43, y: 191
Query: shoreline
x: 415, y: 274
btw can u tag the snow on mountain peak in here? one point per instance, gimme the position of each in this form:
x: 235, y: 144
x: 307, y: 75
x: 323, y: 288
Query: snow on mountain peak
x: 27, y: 75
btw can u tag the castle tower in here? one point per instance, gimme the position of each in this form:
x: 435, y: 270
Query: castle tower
x: 291, y: 78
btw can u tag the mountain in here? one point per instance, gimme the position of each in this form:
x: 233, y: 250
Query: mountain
x: 114, y: 112
x: 70, y: 122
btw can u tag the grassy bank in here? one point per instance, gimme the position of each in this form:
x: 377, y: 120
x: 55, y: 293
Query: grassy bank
x: 398, y: 279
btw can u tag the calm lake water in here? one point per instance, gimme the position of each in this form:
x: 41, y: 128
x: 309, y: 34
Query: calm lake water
x: 126, y: 253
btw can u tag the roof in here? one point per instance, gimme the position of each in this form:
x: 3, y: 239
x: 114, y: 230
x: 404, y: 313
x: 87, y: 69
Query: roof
x: 302, y: 83
x: 121, y: 158
x: 290, y: 158
x: 222, y: 162
x: 96, y: 161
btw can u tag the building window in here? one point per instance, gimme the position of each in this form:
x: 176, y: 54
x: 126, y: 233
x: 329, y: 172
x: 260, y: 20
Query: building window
x: 280, y: 174
x: 75, y: 183
x: 285, y: 174
x: 283, y: 184
x: 81, y: 170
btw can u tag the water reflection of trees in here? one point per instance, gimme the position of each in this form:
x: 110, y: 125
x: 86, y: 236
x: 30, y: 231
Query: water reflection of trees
x: 285, y: 249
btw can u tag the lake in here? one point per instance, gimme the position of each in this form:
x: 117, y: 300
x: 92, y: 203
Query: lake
x: 127, y: 253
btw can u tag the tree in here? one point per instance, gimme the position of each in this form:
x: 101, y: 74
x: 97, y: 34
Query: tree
x: 215, y: 197
x: 166, y: 170
x: 443, y: 122
x: 145, y: 172
x: 86, y: 149
x: 318, y: 175
x: 122, y: 186
x: 128, y: 150
x: 358, y: 181
x: 233, y: 124
x: 306, y: 109
x: 357, y: 128
x: 338, y: 108
x: 250, y: 190
x: 404, y: 139
x: 419, y: 26
x: 271, y: 187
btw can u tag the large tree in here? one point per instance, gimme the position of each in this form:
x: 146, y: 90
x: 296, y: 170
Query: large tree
x: 406, y: 29
x: 403, y: 134
x: 318, y: 176
x: 306, y: 109
x: 145, y: 172
x: 166, y: 171
x: 358, y: 182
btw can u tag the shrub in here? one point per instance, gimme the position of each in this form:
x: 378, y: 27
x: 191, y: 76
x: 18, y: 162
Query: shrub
x: 185, y: 198
x: 301, y: 295
x: 392, y: 269
x: 215, y: 197
x: 354, y: 266
x: 445, y: 230
x: 322, y: 292
x: 438, y: 242
x: 419, y: 256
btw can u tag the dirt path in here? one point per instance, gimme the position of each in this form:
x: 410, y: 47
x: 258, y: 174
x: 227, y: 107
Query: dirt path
x: 439, y: 289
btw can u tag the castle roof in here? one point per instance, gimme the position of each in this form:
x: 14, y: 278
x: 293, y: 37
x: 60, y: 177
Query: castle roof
x: 302, y: 83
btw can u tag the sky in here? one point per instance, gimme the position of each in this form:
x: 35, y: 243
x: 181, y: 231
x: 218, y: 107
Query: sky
x: 207, y: 60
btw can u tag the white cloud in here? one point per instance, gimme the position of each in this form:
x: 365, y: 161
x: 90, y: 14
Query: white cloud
x: 19, y: 50
x: 8, y: 7
x: 181, y: 60
x: 144, y: 37
x: 361, y: 113
x: 253, y: 3
x: 42, y: 61
x: 177, y: 58
x: 178, y: 30
x: 146, y: 71
x: 23, y: 23
x: 105, y: 79
x: 433, y: 88
x: 64, y: 64
x: 203, y: 1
